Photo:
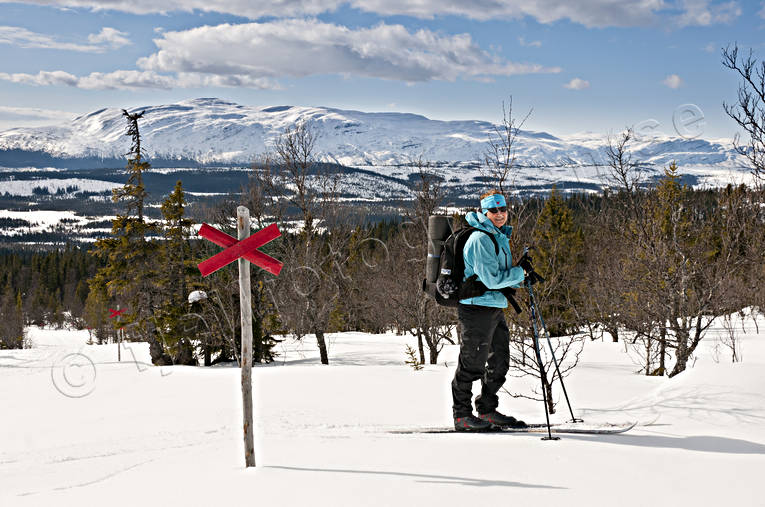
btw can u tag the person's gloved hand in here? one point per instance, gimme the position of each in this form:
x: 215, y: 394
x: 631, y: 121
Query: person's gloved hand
x: 525, y: 263
x: 534, y: 277
x: 528, y: 269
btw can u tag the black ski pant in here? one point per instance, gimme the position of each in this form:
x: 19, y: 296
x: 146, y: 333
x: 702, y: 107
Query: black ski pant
x: 484, y: 355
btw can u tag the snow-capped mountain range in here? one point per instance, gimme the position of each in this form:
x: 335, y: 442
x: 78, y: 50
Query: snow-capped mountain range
x: 211, y: 131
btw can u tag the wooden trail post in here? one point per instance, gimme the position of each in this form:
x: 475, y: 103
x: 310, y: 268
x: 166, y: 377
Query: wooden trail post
x: 114, y: 314
x: 245, y: 305
x: 244, y: 250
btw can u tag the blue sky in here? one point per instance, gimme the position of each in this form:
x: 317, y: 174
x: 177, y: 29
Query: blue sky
x: 594, y: 65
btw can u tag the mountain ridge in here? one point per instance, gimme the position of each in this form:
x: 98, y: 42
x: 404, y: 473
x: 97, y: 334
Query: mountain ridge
x: 212, y: 131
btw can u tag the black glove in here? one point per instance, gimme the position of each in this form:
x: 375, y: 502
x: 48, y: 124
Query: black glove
x: 525, y: 263
x: 531, y: 275
x: 534, y: 277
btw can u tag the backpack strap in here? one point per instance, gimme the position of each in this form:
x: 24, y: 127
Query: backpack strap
x: 463, y: 235
x: 493, y: 239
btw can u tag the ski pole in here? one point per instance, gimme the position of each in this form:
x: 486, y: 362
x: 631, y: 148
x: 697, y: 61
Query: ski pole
x: 555, y: 360
x: 542, y: 376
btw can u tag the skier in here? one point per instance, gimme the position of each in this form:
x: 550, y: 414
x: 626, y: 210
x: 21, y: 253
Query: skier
x: 485, y: 350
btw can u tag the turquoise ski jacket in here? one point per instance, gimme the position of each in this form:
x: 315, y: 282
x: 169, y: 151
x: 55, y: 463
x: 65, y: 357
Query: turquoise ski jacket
x: 495, y: 271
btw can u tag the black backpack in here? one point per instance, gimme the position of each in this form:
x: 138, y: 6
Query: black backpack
x: 449, y: 288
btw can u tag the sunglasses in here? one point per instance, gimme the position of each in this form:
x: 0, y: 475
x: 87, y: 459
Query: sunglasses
x: 501, y: 209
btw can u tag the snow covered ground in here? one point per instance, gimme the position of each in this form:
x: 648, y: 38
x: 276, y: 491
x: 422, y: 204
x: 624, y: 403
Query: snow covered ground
x: 67, y: 186
x: 79, y: 428
x: 42, y: 220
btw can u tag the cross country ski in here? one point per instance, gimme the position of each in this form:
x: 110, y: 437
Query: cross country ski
x: 581, y: 428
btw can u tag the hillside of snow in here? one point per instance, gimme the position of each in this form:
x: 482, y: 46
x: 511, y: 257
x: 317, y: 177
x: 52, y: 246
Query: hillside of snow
x: 215, y: 131
x: 79, y: 428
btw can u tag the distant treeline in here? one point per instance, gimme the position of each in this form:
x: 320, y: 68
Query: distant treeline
x: 615, y: 262
x: 49, y: 282
x: 42, y: 287
x: 36, y: 158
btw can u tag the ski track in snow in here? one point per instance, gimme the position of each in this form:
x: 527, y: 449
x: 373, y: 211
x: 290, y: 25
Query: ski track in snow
x: 323, y: 432
x: 90, y: 483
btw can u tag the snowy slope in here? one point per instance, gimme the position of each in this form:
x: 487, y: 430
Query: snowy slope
x: 214, y: 131
x: 64, y: 186
x: 147, y: 435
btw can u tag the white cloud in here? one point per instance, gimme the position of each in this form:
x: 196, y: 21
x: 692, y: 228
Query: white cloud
x: 762, y: 11
x: 134, y: 79
x: 42, y: 78
x: 95, y: 81
x: 125, y: 79
x: 195, y: 80
x: 255, y: 55
x: 673, y: 81
x: 253, y: 9
x: 299, y: 48
x: 577, y: 84
x: 108, y: 38
x: 536, y: 43
x: 702, y: 13
x: 21, y: 37
x: 35, y: 113
x: 710, y: 48
x: 590, y: 13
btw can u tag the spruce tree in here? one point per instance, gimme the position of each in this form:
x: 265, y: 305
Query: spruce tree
x: 558, y: 258
x: 174, y: 279
x: 96, y: 314
x: 11, y: 320
x: 677, y: 263
x: 129, y: 254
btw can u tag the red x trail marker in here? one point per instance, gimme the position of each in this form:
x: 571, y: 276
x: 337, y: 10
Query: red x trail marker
x: 116, y: 313
x: 234, y: 249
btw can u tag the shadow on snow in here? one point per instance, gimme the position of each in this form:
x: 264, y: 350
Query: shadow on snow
x: 426, y: 478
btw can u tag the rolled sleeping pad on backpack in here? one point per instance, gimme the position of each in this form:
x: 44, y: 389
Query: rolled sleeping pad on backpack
x: 439, y: 228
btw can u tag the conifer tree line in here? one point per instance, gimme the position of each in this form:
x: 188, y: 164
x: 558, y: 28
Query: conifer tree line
x: 42, y: 287
x: 650, y: 265
x: 647, y: 260
x: 650, y: 261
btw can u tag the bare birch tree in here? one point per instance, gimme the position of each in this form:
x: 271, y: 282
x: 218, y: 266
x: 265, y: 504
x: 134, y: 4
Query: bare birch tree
x: 291, y: 182
x: 499, y: 159
x: 749, y: 109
